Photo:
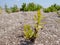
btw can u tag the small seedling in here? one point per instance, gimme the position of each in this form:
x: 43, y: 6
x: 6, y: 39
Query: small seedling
x: 38, y: 19
x: 28, y: 32
x: 31, y: 34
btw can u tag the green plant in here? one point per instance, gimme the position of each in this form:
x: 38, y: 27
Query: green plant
x: 32, y: 34
x: 28, y: 32
x: 52, y: 8
x: 30, y: 7
x: 7, y: 9
x: 14, y: 8
x: 38, y: 7
x: 23, y: 8
x: 38, y: 19
x: 47, y: 10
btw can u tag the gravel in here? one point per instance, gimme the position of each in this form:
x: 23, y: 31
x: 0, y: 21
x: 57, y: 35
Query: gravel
x: 11, y: 28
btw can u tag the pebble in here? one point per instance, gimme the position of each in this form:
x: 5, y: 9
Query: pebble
x: 40, y: 44
x: 55, y: 35
x: 57, y: 42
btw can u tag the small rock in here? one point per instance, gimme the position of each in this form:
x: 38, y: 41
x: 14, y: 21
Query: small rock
x: 40, y: 44
x: 57, y: 42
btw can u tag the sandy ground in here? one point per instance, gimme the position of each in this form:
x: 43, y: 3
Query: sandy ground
x: 11, y: 27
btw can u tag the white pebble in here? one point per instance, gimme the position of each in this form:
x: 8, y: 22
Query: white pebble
x: 40, y: 44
